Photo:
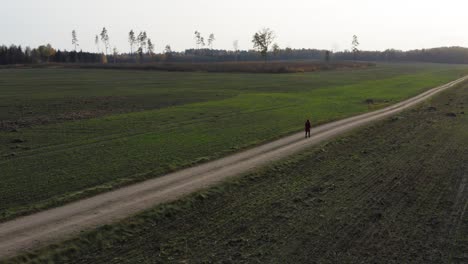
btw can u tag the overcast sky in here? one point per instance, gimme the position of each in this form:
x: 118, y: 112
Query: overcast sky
x: 324, y: 24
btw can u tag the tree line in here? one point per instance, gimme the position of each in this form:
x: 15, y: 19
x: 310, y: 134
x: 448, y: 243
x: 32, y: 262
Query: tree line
x: 44, y: 54
x: 142, y: 50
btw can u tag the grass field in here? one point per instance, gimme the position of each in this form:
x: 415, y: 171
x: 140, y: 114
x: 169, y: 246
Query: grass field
x: 393, y: 192
x: 68, y: 133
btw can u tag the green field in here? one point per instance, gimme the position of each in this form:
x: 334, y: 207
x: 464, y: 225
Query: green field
x: 66, y: 133
x: 393, y: 192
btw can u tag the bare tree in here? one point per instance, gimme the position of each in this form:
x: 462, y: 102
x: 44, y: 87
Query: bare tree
x: 142, y: 38
x: 198, y: 39
x: 75, y: 40
x: 145, y: 40
x: 150, y: 48
x: 96, y: 42
x: 202, y: 41
x: 355, y: 45
x: 105, y: 39
x: 131, y: 40
x: 262, y: 41
x: 211, y: 39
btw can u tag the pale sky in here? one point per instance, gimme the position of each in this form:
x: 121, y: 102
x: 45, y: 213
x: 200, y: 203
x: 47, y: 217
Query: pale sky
x: 322, y: 24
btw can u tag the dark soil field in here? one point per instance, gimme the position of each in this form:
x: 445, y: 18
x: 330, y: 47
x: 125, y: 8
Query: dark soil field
x: 226, y: 67
x: 394, y: 192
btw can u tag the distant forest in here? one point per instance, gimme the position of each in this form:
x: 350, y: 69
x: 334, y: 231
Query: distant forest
x: 46, y: 53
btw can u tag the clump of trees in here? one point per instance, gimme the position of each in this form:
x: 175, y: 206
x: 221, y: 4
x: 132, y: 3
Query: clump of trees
x: 143, y: 43
x: 200, y: 44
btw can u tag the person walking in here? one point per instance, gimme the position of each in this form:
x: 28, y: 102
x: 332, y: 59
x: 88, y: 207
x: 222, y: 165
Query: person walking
x: 307, y: 128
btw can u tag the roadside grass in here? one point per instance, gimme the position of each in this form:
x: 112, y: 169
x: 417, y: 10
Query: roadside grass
x: 141, y: 136
x: 391, y: 192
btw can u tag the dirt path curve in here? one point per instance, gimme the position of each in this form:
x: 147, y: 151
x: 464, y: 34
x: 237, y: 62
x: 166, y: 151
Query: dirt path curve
x: 30, y: 232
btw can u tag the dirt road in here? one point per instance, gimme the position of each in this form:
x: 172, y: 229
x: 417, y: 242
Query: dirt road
x: 40, y: 229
